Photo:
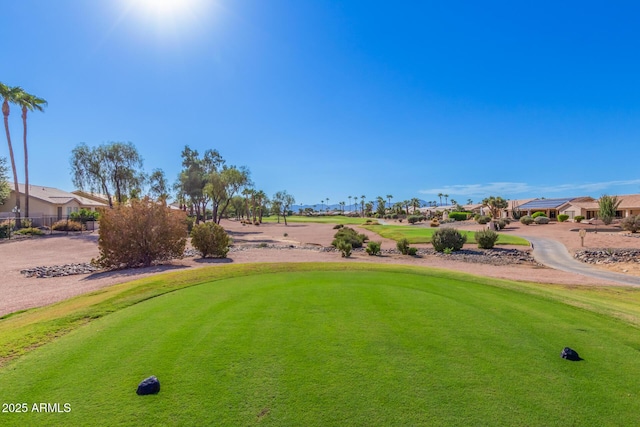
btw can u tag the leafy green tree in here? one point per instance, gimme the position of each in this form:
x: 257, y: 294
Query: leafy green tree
x: 223, y: 186
x: 495, y: 205
x: 283, y: 201
x: 195, y: 175
x: 5, y: 188
x: 9, y: 95
x: 27, y: 102
x: 110, y: 168
x: 608, y: 205
x: 158, y: 187
x: 380, y: 206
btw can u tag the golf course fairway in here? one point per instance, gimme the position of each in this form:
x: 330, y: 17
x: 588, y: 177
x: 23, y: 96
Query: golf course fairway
x: 334, y: 346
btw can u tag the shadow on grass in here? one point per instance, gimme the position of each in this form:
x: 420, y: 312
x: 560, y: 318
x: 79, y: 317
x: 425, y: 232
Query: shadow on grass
x: 213, y: 260
x: 131, y: 272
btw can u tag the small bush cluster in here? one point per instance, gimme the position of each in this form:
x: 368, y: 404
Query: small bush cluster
x: 345, y: 248
x: 459, y: 216
x: 30, y: 231
x: 486, y: 239
x: 483, y: 219
x: 373, y: 248
x: 210, y: 239
x: 67, y: 225
x: 139, y: 234
x: 563, y: 217
x: 338, y: 226
x: 405, y: 249
x: 435, y: 223
x: 448, y: 238
x: 631, y: 223
x: 541, y: 220
x: 578, y: 218
x: 5, y: 229
x: 84, y: 215
x: 538, y: 214
x: 526, y: 220
x: 349, y: 235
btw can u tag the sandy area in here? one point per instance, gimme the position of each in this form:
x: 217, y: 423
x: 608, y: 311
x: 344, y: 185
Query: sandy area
x: 19, y: 292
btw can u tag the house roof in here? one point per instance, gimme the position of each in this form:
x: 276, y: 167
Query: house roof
x: 545, y: 203
x: 57, y: 197
x: 629, y: 201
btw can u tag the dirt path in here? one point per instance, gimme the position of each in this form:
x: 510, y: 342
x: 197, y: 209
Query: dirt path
x: 18, y: 292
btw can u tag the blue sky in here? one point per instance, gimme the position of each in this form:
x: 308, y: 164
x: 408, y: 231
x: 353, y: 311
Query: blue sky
x: 327, y: 99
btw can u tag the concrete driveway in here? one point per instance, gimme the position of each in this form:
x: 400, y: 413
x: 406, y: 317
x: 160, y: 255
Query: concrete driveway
x: 555, y: 255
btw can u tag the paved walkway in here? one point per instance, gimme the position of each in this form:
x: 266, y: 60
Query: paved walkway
x: 555, y: 255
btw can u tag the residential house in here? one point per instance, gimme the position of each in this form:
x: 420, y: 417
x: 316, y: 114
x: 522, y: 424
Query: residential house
x: 47, y: 204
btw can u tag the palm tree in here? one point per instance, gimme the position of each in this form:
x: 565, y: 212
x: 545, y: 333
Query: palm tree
x: 362, y: 204
x: 322, y: 204
x: 440, y: 196
x: 9, y: 94
x: 28, y: 102
x: 327, y: 204
x: 342, y: 206
x: 469, y: 201
x: 415, y: 203
x: 389, y: 197
x: 446, y: 196
x: 349, y: 202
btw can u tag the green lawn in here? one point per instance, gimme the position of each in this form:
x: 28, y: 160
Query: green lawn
x: 416, y: 234
x: 330, y: 344
x: 337, y: 219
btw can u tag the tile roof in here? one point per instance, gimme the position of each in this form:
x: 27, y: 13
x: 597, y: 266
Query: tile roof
x: 56, y: 196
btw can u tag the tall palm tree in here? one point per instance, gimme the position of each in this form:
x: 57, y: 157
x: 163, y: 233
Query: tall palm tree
x: 469, y: 201
x: 327, y: 204
x: 349, y: 202
x: 440, y: 196
x: 446, y: 196
x: 389, y: 197
x: 28, y: 102
x: 415, y: 204
x: 362, y: 204
x: 9, y: 94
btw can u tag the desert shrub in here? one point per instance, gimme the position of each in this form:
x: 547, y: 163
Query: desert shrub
x: 448, y: 238
x: 538, y: 214
x: 84, y: 215
x: 338, y: 226
x: 403, y: 246
x: 26, y: 223
x: 486, y: 239
x: 344, y: 248
x: 541, y: 220
x: 349, y: 235
x: 394, y: 216
x: 526, y: 220
x: 483, y: 219
x: 563, y: 217
x: 210, y: 239
x: 413, y: 251
x: 373, y: 248
x: 66, y: 225
x: 5, y: 230
x: 140, y: 234
x: 434, y: 223
x: 459, y: 216
x: 413, y: 219
x: 30, y: 231
x: 501, y: 223
x: 631, y: 223
x: 578, y: 218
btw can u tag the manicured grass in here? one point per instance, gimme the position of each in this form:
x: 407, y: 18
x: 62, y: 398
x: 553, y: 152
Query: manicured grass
x: 336, y: 219
x: 423, y: 234
x: 334, y: 344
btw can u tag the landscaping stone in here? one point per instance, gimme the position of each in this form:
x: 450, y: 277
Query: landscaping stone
x: 149, y: 385
x: 570, y: 354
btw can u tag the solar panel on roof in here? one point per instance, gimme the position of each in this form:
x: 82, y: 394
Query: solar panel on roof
x: 545, y: 203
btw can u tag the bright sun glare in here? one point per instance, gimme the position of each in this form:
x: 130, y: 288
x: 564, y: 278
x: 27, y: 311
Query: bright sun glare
x: 167, y: 19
